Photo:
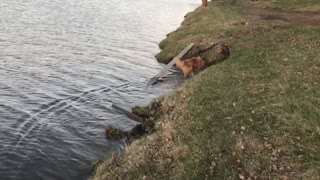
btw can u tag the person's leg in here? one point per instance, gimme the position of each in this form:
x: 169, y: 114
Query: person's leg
x: 204, y: 3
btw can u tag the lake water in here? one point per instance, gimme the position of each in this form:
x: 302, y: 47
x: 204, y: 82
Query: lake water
x: 62, y: 65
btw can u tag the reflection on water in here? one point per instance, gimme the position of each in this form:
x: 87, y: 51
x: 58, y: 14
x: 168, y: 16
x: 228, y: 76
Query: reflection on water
x: 62, y: 65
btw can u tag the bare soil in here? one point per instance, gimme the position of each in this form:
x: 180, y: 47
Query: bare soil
x: 304, y: 18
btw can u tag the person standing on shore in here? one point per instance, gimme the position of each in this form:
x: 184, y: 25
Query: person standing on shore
x: 204, y: 3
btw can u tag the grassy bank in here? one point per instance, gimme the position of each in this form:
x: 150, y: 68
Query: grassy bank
x: 255, y: 115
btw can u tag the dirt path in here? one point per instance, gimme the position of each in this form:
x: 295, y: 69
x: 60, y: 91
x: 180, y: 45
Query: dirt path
x: 304, y: 18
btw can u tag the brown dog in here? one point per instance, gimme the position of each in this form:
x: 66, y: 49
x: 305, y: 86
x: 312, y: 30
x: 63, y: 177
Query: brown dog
x: 188, y: 66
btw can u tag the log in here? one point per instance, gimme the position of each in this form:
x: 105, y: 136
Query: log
x: 155, y: 78
x: 129, y: 114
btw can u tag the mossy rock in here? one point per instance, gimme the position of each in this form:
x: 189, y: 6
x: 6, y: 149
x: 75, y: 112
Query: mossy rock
x: 114, y: 133
x: 140, y: 111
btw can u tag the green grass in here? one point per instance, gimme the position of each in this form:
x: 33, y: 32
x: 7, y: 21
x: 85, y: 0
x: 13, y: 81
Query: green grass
x: 256, y: 114
x: 260, y: 90
x: 202, y: 25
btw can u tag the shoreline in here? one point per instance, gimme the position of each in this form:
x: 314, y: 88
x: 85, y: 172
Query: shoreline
x: 243, y: 118
x: 140, y: 110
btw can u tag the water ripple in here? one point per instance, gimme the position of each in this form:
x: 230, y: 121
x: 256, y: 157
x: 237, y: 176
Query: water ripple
x: 62, y: 65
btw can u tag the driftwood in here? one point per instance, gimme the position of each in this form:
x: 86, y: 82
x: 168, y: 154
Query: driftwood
x: 154, y: 79
x: 129, y: 114
x: 115, y: 133
x: 146, y: 117
x: 203, y: 49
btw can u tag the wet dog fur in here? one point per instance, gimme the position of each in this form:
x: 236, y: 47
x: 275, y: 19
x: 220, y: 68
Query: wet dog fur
x: 188, y: 66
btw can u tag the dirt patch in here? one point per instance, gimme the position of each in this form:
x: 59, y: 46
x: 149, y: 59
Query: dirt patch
x: 305, y: 18
x: 270, y: 17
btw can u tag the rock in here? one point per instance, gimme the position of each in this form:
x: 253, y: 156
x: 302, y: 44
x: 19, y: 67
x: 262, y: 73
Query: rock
x: 114, y: 133
x: 238, y: 161
x: 151, y: 110
x: 147, y: 125
x: 213, y: 164
x: 241, y: 176
x: 137, y: 131
x: 140, y: 111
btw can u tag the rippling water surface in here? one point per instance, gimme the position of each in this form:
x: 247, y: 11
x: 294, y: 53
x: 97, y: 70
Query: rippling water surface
x: 62, y: 65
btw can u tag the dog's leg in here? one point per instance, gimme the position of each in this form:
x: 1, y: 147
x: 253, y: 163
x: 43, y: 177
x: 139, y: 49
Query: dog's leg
x: 188, y: 74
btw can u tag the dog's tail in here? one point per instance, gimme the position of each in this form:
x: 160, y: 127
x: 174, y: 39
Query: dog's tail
x: 198, y: 63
